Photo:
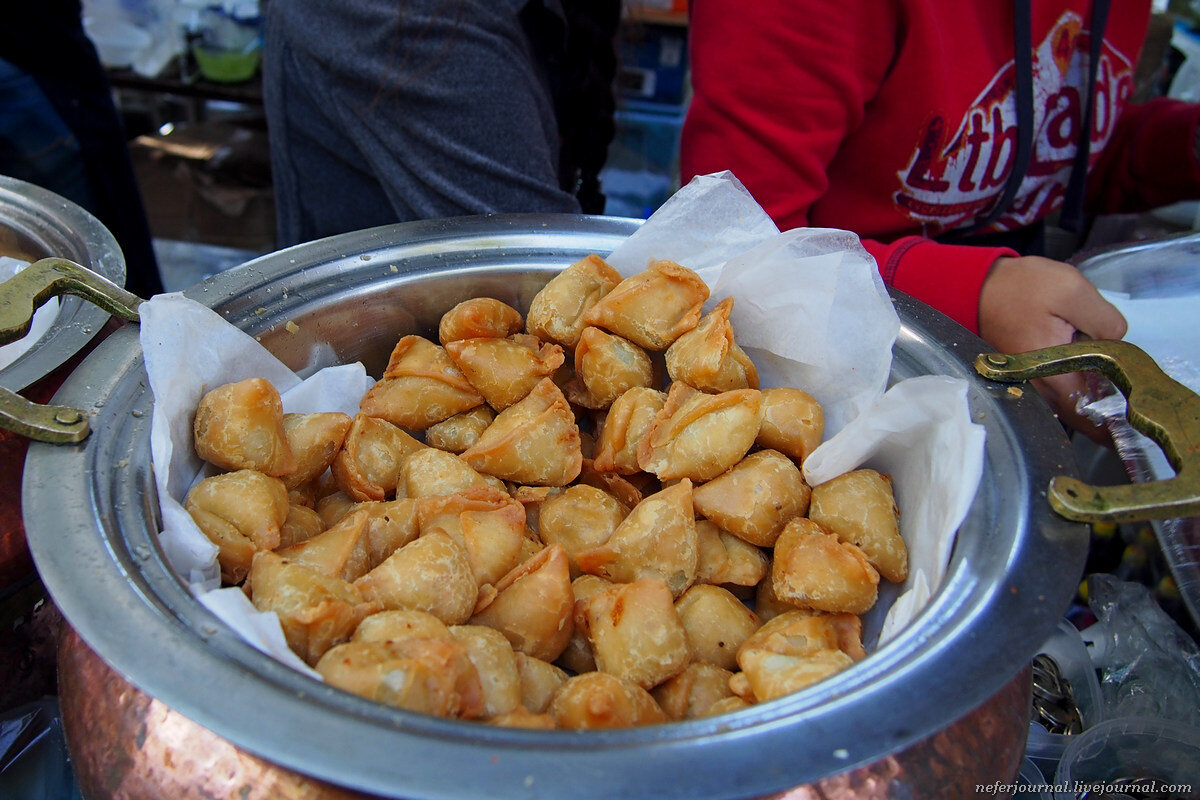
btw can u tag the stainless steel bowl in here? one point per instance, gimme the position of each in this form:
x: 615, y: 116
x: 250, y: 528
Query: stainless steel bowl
x: 36, y: 224
x: 92, y: 516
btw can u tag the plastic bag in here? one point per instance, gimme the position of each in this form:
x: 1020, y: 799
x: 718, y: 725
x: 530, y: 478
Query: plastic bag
x: 1149, y: 667
x: 34, y: 764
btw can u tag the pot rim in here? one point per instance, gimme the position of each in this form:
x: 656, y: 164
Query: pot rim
x: 1011, y: 575
x: 58, y: 227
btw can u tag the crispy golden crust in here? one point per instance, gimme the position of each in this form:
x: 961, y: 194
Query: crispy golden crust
x: 858, y: 507
x: 697, y: 435
x: 534, y: 441
x: 708, y: 358
x: 653, y: 308
x: 240, y: 426
x: 557, y: 312
x: 420, y: 387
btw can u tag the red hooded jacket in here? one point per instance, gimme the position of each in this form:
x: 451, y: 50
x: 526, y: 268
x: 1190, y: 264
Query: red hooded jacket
x: 897, y: 120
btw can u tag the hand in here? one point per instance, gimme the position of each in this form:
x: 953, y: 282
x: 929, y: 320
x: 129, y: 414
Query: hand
x: 1031, y: 302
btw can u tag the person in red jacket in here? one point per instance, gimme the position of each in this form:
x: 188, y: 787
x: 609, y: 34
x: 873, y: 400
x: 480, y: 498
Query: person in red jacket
x: 944, y: 133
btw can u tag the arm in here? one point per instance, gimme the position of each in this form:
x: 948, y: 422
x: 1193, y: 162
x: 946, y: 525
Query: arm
x: 946, y: 276
x: 1014, y: 303
x: 777, y: 85
x: 1013, y: 319
x: 1150, y: 161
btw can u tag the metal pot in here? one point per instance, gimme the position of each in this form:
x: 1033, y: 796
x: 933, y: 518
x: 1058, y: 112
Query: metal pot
x: 36, y: 224
x: 1013, y: 570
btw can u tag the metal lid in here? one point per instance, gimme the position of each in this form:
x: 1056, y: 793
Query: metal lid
x: 35, y: 224
x: 1013, y: 570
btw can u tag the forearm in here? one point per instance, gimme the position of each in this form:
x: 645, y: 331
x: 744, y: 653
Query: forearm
x: 944, y: 276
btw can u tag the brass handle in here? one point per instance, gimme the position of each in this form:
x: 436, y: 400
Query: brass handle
x: 23, y: 294
x: 1160, y: 407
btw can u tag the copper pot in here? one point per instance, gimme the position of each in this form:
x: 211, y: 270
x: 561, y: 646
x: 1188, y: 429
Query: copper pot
x: 125, y: 745
x: 940, y: 708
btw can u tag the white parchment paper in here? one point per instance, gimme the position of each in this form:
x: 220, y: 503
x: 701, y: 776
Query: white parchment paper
x: 809, y: 307
x: 189, y: 349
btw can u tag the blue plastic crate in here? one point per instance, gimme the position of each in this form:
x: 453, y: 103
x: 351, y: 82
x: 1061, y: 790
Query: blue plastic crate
x: 642, y: 170
x: 653, y: 63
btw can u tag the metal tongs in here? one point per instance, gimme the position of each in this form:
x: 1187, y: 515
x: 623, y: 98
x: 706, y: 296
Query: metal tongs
x: 23, y: 294
x: 1160, y: 407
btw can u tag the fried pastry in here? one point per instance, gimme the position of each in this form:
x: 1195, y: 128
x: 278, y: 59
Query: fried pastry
x: 489, y: 524
x: 627, y: 420
x: 430, y: 574
x: 496, y: 664
x: 606, y: 366
x: 697, y: 435
x: 302, y: 523
x: 421, y: 386
x: 716, y: 623
x: 766, y: 604
x: 656, y: 540
x: 636, y: 632
x: 332, y: 507
x: 629, y: 489
x: 652, y: 308
x: 304, y: 495
x: 241, y: 513
x: 726, y: 559
x: 727, y: 705
x: 314, y: 440
x: 505, y: 370
x: 431, y: 676
x: 802, y: 631
x: 534, y: 441
x: 813, y: 569
x: 539, y: 681
x: 578, y: 518
x: 316, y: 611
x: 533, y: 604
x: 368, y: 465
x: 400, y: 623
x: 770, y: 675
x: 557, y: 311
x: 597, y: 700
x: 858, y: 507
x: 708, y: 358
x: 391, y: 524
x: 691, y: 693
x: 479, y: 317
x: 755, y: 498
x: 240, y: 426
x: 793, y: 422
x: 339, y: 552
x: 459, y: 432
x: 578, y: 656
x: 521, y: 717
x: 430, y: 472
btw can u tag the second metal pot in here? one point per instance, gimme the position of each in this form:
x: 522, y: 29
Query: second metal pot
x: 37, y: 224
